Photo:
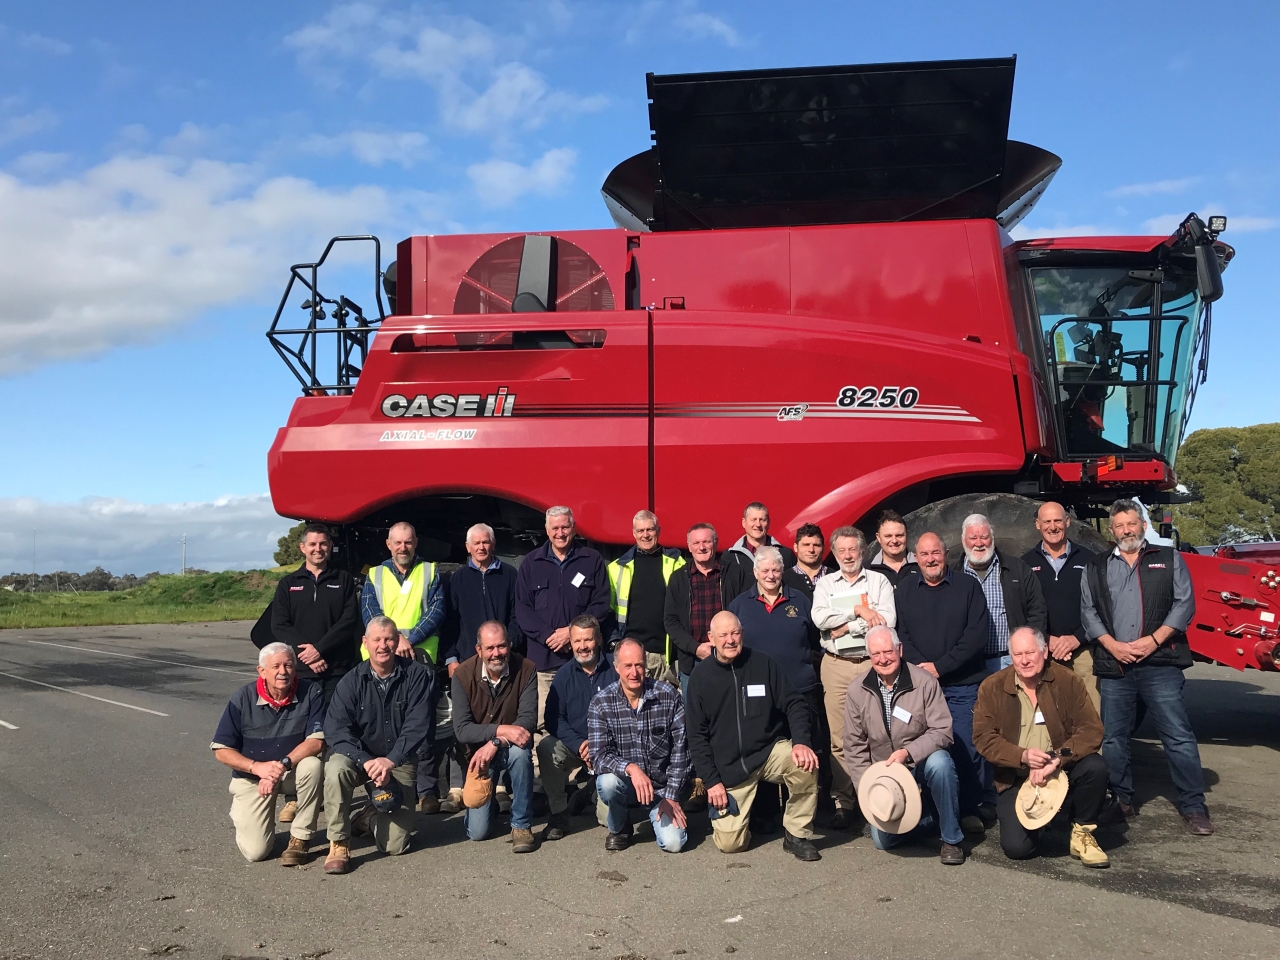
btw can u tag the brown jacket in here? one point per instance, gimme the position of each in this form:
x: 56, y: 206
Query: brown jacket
x: 1068, y: 713
x: 866, y: 741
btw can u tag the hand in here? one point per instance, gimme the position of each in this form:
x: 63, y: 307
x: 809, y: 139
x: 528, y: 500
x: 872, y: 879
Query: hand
x: 558, y: 640
x: 898, y: 756
x: 1061, y: 648
x: 481, y: 759
x: 517, y: 736
x: 1143, y: 647
x: 1035, y: 759
x: 584, y: 752
x: 718, y: 797
x: 642, y: 784
x: 403, y: 649
x: 319, y: 666
x: 840, y: 631
x: 1121, y: 651
x: 1040, y: 777
x: 266, y: 786
x: 804, y: 758
x: 704, y: 650
x: 929, y: 668
x: 267, y: 770
x: 308, y: 654
x: 868, y: 613
x: 379, y: 770
x: 452, y: 668
x: 671, y: 810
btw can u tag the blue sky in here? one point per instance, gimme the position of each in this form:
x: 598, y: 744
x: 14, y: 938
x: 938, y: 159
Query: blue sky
x: 162, y: 164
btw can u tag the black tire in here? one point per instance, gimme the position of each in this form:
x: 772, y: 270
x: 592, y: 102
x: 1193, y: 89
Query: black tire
x: 1013, y: 518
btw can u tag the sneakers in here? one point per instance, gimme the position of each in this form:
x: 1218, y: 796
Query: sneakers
x: 1084, y: 848
x: 288, y: 811
x: 952, y: 855
x: 522, y: 841
x: 339, y: 859
x: 557, y: 827
x: 453, y: 803
x: 1198, y: 823
x: 802, y: 849
x: 296, y: 854
x: 972, y: 824
x: 429, y: 804
x: 615, y: 842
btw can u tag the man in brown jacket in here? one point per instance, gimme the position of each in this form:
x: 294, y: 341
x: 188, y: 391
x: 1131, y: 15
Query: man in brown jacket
x: 896, y: 713
x: 1033, y: 719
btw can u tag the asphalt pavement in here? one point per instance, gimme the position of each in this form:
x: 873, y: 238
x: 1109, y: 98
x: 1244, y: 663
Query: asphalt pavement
x: 115, y: 843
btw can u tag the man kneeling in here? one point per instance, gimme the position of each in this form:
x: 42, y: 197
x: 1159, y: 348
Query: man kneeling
x: 380, y: 714
x: 271, y: 735
x: 747, y: 724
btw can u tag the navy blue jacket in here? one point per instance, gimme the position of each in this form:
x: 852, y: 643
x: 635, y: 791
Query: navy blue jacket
x: 362, y: 724
x: 565, y: 716
x: 786, y: 634
x: 946, y: 625
x: 547, y: 600
x: 476, y: 596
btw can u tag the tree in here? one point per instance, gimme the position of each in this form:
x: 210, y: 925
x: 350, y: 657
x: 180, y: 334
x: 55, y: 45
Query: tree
x: 1235, y: 471
x: 287, y: 546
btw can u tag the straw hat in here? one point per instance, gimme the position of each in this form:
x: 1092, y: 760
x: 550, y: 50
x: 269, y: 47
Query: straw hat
x: 477, y: 791
x: 889, y: 797
x: 1036, y: 806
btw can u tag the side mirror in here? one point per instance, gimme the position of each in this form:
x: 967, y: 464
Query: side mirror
x: 1208, y: 273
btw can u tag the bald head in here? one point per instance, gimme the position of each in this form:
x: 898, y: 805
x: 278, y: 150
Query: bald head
x: 1052, y: 523
x: 931, y: 554
x: 725, y: 634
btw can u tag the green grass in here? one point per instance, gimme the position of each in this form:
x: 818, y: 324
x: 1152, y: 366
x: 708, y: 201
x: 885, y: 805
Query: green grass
x: 168, y: 599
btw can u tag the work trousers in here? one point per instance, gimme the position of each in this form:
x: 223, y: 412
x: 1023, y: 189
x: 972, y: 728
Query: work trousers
x: 1087, y: 781
x: 539, y: 731
x: 769, y: 796
x: 433, y: 767
x: 961, y: 699
x: 1160, y: 688
x: 518, y: 763
x: 342, y: 777
x: 1082, y: 667
x: 940, y: 802
x: 837, y: 675
x: 619, y: 796
x: 254, y: 816
x: 732, y: 832
x: 657, y: 668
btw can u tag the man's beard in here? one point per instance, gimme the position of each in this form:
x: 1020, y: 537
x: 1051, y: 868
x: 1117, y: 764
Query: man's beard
x: 979, y: 559
x: 587, y: 661
x: 1130, y: 544
x: 851, y: 570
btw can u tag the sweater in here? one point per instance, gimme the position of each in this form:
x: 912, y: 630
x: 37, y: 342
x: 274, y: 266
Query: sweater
x: 1061, y: 589
x: 786, y: 633
x: 323, y: 611
x: 476, y: 596
x: 737, y: 711
x: 644, y: 608
x: 547, y: 597
x: 945, y: 625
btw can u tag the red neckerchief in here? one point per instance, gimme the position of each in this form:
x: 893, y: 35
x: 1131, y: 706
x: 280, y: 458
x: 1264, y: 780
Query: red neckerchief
x: 278, y: 704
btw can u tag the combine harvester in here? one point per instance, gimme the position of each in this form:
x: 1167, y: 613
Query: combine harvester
x: 811, y: 299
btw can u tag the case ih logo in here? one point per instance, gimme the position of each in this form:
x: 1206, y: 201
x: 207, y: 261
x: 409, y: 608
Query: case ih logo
x: 500, y: 404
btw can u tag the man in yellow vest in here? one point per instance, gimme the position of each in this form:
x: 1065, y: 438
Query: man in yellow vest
x: 407, y: 589
x: 638, y: 595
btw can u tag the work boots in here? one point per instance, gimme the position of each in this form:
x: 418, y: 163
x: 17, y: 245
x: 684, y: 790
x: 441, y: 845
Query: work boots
x: 288, y: 811
x: 296, y: 854
x: 522, y: 841
x: 1084, y: 848
x: 339, y: 859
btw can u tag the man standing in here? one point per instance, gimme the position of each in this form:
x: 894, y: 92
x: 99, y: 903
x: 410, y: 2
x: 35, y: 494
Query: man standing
x: 810, y: 546
x: 944, y: 627
x: 1136, y: 602
x: 755, y: 534
x: 558, y: 581
x: 637, y: 744
x: 1033, y: 719
x: 892, y: 558
x: 638, y: 593
x: 1013, y: 595
x: 271, y: 735
x: 747, y: 724
x: 847, y: 604
x: 696, y: 593
x: 1059, y: 565
x: 564, y: 749
x: 378, y: 719
x: 495, y: 704
x: 482, y: 589
x: 896, y: 713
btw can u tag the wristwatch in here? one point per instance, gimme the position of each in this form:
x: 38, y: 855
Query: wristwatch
x: 497, y: 742
x: 287, y: 764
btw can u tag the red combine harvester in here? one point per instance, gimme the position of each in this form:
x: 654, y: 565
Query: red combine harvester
x: 810, y: 299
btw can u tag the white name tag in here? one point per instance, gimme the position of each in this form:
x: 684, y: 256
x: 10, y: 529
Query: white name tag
x: 755, y: 690
x: 577, y: 580
x: 406, y: 586
x: 1266, y: 617
x: 1039, y: 717
x: 903, y: 715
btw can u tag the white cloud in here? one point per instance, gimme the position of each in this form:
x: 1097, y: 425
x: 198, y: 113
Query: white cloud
x: 1155, y: 188
x: 680, y: 20
x: 1169, y: 222
x: 15, y: 128
x: 704, y: 26
x: 372, y: 147
x: 501, y: 182
x: 127, y: 537
x: 42, y: 44
x: 38, y: 163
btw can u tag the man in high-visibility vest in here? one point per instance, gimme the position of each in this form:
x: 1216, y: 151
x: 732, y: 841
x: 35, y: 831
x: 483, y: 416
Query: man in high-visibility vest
x: 407, y: 589
x: 638, y: 595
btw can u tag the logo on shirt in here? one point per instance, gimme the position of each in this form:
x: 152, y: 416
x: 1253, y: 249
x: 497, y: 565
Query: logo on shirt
x: 791, y: 611
x: 296, y: 589
x: 1155, y: 566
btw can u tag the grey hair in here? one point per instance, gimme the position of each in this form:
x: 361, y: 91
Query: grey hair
x: 483, y: 527
x: 1041, y: 642
x: 1125, y: 506
x: 559, y: 512
x: 893, y: 635
x: 767, y: 553
x: 272, y: 649
x: 976, y: 520
x: 715, y: 537
x: 380, y: 622
x: 840, y: 533
x: 646, y: 515
x: 403, y: 523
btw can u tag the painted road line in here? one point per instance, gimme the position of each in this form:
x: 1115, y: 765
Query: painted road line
x: 7, y: 726
x: 130, y: 656
x: 90, y: 696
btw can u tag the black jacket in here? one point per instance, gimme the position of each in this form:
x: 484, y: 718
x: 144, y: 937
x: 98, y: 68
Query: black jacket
x: 735, y: 579
x: 1061, y: 590
x: 895, y: 576
x: 1023, y: 601
x: 739, y: 555
x: 362, y: 723
x: 946, y: 625
x: 474, y: 597
x: 737, y: 711
x: 323, y: 612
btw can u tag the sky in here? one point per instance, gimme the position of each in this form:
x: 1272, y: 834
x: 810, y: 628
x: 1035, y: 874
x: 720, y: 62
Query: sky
x: 162, y: 164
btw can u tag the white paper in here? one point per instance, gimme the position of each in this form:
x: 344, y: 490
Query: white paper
x: 848, y: 602
x: 577, y: 580
x: 755, y: 690
x: 903, y: 715
x: 1039, y: 717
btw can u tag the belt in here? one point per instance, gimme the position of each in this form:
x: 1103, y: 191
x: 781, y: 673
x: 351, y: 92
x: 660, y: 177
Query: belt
x: 853, y: 659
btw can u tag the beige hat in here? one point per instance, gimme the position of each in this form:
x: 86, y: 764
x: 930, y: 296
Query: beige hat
x: 477, y: 791
x: 1036, y: 806
x: 889, y: 797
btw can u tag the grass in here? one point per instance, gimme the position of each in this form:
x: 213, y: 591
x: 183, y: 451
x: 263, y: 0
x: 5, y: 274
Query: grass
x: 234, y: 595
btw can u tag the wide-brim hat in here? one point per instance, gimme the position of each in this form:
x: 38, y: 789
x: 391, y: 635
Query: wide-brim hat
x: 889, y: 797
x: 1036, y: 806
x: 477, y: 791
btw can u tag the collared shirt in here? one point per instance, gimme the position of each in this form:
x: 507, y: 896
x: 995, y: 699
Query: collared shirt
x: 878, y: 559
x: 886, y: 695
x: 705, y: 599
x: 384, y: 682
x: 652, y: 736
x: 768, y: 604
x: 823, y: 570
x: 827, y: 615
x: 494, y: 684
x: 1030, y: 734
x: 998, y: 625
x: 1056, y: 562
x: 259, y: 731
x: 1126, y: 599
x: 492, y: 566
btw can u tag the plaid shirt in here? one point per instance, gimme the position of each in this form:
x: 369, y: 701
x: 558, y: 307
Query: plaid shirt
x: 704, y: 600
x: 651, y: 736
x: 998, y: 637
x: 886, y: 696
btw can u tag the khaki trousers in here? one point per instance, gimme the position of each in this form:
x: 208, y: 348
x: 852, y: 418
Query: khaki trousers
x: 540, y: 729
x: 836, y: 675
x: 255, y: 816
x: 657, y: 668
x: 342, y: 777
x: 1082, y: 667
x: 732, y: 833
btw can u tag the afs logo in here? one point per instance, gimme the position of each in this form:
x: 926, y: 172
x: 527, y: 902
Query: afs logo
x: 795, y: 412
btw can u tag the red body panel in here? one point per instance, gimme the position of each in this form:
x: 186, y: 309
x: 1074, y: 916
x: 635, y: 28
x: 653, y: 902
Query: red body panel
x: 1237, y: 611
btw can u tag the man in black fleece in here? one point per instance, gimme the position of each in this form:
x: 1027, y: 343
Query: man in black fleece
x: 746, y: 724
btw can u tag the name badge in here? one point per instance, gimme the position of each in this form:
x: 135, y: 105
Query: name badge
x: 755, y: 690
x: 1039, y: 717
x: 406, y: 586
x: 577, y: 580
x: 903, y: 715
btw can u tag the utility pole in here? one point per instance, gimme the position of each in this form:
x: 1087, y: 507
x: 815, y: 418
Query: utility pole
x: 184, y: 554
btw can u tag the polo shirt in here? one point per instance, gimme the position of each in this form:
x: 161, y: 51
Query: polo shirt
x: 260, y: 732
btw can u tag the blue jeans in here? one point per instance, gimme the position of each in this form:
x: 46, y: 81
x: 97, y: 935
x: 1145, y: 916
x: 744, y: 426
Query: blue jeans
x: 518, y: 763
x: 684, y: 686
x: 619, y: 796
x: 961, y: 699
x: 1161, y: 690
x: 937, y: 775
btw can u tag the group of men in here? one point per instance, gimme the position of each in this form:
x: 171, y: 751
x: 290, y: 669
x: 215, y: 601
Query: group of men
x: 930, y: 699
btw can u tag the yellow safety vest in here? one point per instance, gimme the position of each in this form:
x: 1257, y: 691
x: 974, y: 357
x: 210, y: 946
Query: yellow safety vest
x: 620, y: 584
x: 402, y: 602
